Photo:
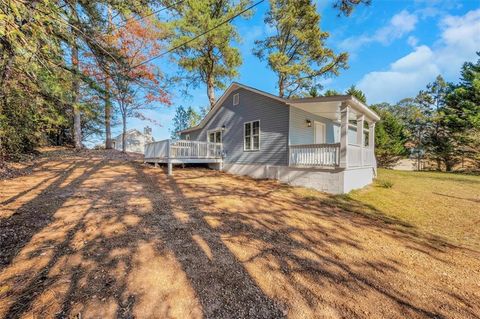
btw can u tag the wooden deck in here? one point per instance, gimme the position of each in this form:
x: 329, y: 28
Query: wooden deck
x: 183, y: 152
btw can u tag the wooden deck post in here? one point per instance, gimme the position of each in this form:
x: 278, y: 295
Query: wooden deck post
x: 170, y: 168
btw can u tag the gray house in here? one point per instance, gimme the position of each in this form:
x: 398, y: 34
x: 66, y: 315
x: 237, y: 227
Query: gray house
x: 326, y: 143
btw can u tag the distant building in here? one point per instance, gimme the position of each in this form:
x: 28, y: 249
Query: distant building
x: 135, y: 140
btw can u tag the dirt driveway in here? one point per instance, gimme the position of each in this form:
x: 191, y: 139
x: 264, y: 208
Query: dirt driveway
x: 87, y: 236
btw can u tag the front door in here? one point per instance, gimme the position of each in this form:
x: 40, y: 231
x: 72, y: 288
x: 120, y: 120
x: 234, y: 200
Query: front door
x: 319, y: 133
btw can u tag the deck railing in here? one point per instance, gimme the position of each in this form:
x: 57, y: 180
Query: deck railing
x: 195, y: 149
x: 175, y: 149
x: 306, y: 155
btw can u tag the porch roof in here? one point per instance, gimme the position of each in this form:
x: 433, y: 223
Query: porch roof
x: 330, y: 106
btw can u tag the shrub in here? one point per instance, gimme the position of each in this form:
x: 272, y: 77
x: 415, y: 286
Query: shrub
x: 385, y: 183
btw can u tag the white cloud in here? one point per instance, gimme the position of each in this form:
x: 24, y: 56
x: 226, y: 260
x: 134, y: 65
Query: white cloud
x: 403, y: 79
x: 400, y: 24
x: 459, y: 42
x: 406, y: 76
x: 412, y: 41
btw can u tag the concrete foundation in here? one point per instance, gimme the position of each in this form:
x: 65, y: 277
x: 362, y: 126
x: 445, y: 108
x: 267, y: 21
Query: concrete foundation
x: 333, y: 181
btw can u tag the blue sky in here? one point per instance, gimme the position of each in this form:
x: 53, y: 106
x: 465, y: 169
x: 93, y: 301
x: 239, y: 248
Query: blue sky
x: 396, y: 47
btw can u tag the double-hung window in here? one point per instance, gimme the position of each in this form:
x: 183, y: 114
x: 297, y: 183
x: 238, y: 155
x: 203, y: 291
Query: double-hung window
x: 251, y: 136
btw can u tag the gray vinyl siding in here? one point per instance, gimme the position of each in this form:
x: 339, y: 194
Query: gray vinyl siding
x: 193, y: 135
x: 274, y: 119
x: 300, y: 133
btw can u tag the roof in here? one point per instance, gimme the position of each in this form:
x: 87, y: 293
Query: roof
x: 350, y: 99
x: 289, y: 102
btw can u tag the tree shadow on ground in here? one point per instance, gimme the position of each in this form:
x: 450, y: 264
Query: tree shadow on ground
x: 124, y: 240
x: 35, y: 214
x: 308, y: 256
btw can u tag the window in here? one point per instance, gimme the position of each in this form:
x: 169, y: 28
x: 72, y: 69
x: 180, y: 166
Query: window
x: 187, y: 137
x: 236, y: 99
x: 215, y: 136
x: 251, y: 136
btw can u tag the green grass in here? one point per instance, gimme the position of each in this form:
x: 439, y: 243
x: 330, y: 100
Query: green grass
x: 442, y: 204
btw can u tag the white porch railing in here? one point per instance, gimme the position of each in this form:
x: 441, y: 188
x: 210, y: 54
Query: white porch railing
x: 368, y: 157
x: 315, y: 155
x: 354, y: 155
x: 328, y: 155
x: 175, y: 149
x: 359, y: 157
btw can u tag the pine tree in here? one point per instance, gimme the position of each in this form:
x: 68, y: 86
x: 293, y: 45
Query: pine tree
x: 440, y: 142
x: 210, y: 59
x: 358, y: 94
x: 331, y: 92
x: 462, y: 111
x: 389, y: 138
x: 183, y: 119
x: 296, y: 51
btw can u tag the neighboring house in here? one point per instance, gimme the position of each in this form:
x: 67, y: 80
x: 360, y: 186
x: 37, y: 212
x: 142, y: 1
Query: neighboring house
x: 134, y: 140
x: 320, y: 142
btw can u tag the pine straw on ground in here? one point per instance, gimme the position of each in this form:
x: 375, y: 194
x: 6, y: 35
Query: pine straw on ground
x: 99, y: 235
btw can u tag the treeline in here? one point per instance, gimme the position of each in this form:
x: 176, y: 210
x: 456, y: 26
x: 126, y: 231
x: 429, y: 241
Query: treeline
x: 71, y: 69
x: 439, y: 128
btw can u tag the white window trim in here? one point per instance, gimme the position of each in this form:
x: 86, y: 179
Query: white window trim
x: 215, y: 131
x: 251, y: 140
x: 187, y: 137
x: 324, y: 129
x: 236, y: 97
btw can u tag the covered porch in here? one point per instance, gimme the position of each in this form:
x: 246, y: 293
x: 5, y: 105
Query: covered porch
x: 331, y: 132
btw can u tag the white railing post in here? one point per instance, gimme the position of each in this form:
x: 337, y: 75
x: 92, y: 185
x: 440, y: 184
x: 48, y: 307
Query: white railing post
x: 360, y: 136
x: 344, y: 121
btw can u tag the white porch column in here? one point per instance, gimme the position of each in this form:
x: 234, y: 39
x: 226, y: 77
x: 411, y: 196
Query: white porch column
x: 371, y: 135
x: 361, y: 136
x: 344, y: 116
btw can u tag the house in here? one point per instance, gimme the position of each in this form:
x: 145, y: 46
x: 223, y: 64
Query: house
x: 135, y: 140
x: 326, y: 143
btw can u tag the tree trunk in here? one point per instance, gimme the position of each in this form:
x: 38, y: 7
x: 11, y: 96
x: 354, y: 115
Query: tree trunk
x: 77, y: 122
x: 211, y: 91
x: 108, y: 105
x: 4, y: 77
x: 281, y: 88
x: 448, y: 166
x: 108, y: 116
x: 124, y: 132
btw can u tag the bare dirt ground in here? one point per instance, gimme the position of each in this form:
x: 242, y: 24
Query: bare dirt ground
x: 92, y: 235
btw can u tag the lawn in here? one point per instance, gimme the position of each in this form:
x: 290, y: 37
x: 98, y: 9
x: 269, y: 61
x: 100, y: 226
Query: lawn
x: 443, y: 204
x: 94, y: 235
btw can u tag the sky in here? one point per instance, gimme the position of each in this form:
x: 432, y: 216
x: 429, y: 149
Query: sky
x: 396, y: 48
